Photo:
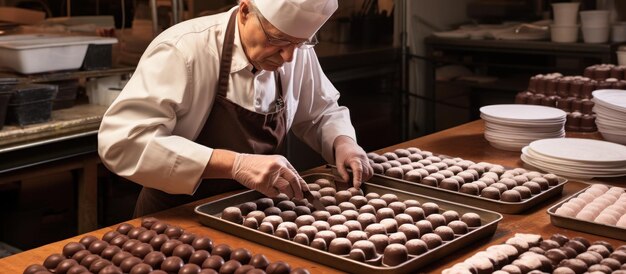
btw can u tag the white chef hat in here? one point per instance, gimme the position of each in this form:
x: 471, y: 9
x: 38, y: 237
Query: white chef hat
x: 297, y: 18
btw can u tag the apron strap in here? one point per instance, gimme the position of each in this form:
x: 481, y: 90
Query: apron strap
x: 227, y: 53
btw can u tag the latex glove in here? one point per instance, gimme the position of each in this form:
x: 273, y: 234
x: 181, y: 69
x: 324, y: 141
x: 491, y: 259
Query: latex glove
x: 268, y: 174
x: 349, y: 154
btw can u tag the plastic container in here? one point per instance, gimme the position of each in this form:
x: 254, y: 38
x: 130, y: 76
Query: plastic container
x: 5, y: 95
x: 564, y: 34
x: 98, y: 57
x: 565, y: 14
x: 66, y: 95
x: 594, y: 35
x: 43, y: 53
x: 594, y: 18
x: 31, y: 104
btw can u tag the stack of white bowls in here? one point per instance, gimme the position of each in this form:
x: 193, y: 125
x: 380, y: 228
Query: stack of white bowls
x: 595, y: 25
x: 565, y: 28
x: 610, y: 109
x: 577, y: 158
x: 511, y: 127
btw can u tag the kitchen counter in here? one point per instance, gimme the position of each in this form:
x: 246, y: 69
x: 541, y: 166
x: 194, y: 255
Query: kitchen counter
x: 465, y: 141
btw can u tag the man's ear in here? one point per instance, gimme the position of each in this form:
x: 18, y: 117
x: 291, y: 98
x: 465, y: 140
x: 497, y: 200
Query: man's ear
x: 244, y: 11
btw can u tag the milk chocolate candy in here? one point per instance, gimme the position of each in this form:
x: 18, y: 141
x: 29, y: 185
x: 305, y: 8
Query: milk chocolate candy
x: 621, y: 84
x: 589, y: 71
x: 601, y: 73
x: 532, y: 83
x: 575, y: 89
x: 522, y: 97
x: 588, y: 88
x: 549, y: 101
x: 562, y: 88
x: 577, y: 105
x: 535, y: 99
x: 617, y: 72
x: 563, y: 104
x: 588, y: 123
x: 587, y: 107
x: 540, y: 87
x: 551, y: 86
x: 573, y: 121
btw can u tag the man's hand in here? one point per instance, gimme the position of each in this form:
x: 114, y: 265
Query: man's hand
x: 349, y: 154
x: 268, y: 174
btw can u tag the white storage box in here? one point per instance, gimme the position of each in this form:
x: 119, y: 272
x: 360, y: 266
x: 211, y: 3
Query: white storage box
x: 42, y: 53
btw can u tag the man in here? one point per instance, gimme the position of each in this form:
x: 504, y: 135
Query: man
x: 213, y: 98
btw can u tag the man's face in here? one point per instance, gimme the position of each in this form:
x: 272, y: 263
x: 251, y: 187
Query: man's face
x: 265, y: 46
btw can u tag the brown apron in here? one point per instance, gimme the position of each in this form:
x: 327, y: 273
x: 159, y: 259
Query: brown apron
x: 229, y: 126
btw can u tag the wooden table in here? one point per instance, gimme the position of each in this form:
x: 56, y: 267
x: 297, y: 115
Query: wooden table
x: 465, y: 141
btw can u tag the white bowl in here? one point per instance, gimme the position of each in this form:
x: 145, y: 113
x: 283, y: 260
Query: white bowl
x: 594, y: 35
x: 618, y: 32
x: 564, y: 34
x: 565, y: 13
x: 594, y: 18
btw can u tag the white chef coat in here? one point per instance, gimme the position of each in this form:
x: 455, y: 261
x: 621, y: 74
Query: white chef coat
x: 147, y: 133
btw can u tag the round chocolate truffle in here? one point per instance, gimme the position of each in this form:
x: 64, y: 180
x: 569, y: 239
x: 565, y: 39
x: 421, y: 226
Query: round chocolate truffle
x: 124, y: 228
x: 524, y: 191
x: 446, y: 233
x: 340, y: 246
x: 109, y: 252
x: 436, y: 220
x: 395, y: 254
x: 471, y: 219
x: 222, y: 250
x: 52, y: 261
x: 458, y: 227
x: 469, y: 188
x: 154, y: 259
x: 511, y: 196
x: 214, y: 262
x: 417, y: 213
x: 259, y: 261
x: 491, y: 193
x: 424, y: 226
x: 134, y: 232
x: 430, y: 208
x: 127, y: 264
x: 141, y: 268
x: 533, y: 186
x: 319, y: 243
x: 416, y: 247
x: 107, y: 237
x: 230, y: 267
x: 380, y: 241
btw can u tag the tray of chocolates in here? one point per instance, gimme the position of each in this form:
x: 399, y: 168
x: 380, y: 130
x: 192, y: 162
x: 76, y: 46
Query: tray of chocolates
x: 158, y: 248
x: 530, y: 253
x: 484, y: 185
x: 598, y: 209
x: 374, y: 229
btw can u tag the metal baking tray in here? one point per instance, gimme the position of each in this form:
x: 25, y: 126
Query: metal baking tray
x: 464, y: 198
x: 209, y: 214
x: 610, y: 231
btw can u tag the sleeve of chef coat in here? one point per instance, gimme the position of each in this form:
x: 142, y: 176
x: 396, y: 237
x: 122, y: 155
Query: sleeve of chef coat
x: 319, y: 119
x: 135, y: 139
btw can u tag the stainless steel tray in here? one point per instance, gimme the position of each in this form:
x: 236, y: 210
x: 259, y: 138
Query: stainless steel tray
x: 582, y: 225
x: 464, y: 198
x: 210, y: 216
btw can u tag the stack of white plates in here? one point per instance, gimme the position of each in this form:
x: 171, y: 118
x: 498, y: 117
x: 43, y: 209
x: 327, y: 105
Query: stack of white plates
x: 610, y: 109
x: 577, y: 158
x: 511, y: 127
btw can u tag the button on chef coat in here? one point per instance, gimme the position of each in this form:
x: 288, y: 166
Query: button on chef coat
x: 147, y: 133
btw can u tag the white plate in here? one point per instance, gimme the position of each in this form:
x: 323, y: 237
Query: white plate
x: 517, y: 130
x: 576, y: 173
x: 523, y: 113
x: 603, y: 168
x: 506, y: 146
x: 581, y: 150
x: 615, y: 138
x: 557, y: 172
x: 611, y: 97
